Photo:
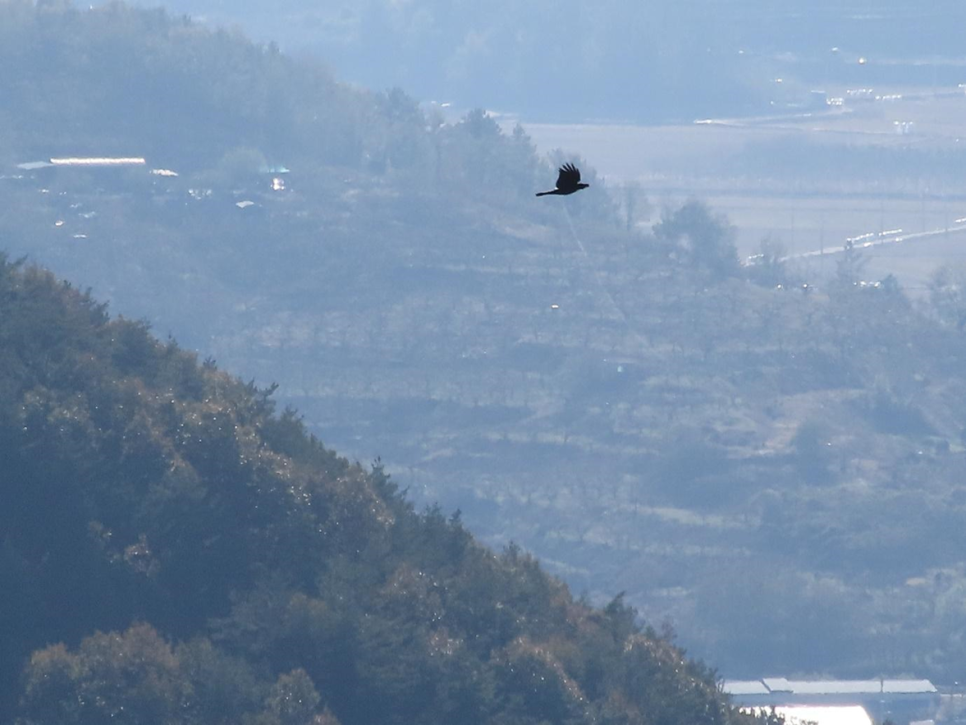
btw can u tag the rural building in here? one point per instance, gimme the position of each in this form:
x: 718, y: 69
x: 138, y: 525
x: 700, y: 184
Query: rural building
x: 902, y: 701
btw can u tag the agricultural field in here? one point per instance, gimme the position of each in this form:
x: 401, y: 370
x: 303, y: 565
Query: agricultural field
x: 808, y: 179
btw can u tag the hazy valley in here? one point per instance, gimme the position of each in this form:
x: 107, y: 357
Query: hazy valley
x: 768, y: 456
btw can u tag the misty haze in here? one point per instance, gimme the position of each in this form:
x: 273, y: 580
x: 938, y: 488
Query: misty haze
x: 310, y: 411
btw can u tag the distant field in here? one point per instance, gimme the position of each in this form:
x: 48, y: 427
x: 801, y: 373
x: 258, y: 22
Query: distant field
x: 804, y: 211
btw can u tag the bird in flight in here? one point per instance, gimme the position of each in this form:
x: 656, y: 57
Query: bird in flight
x: 567, y: 182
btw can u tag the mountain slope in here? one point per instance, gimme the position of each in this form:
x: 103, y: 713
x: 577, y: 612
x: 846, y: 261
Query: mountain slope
x: 740, y: 449
x: 145, y: 493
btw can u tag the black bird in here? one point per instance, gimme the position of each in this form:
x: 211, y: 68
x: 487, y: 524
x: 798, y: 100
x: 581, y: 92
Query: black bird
x: 567, y: 182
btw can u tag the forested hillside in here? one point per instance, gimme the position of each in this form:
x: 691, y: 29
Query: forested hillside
x: 611, y: 59
x: 174, y: 551
x: 769, y: 458
x: 120, y: 82
x: 553, y: 60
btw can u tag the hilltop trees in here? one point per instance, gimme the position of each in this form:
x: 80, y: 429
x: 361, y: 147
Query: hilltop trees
x: 512, y: 56
x: 132, y: 677
x: 699, y: 239
x: 947, y: 295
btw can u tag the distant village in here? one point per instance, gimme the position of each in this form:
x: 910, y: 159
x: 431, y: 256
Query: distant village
x: 109, y: 170
x: 77, y: 181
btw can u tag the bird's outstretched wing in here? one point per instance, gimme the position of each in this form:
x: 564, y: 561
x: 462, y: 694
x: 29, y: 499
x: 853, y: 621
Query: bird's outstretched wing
x: 569, y: 177
x: 568, y: 181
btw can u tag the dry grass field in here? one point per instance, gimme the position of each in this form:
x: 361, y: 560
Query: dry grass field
x: 727, y: 163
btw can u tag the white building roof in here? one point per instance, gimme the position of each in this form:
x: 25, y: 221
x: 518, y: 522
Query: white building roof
x: 777, y: 684
x: 34, y: 165
x: 908, y: 687
x: 744, y: 687
x: 99, y: 161
x: 781, y: 685
x: 835, y: 687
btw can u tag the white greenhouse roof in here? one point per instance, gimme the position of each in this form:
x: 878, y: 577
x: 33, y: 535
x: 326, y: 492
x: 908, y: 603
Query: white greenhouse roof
x: 910, y: 687
x: 813, y: 688
x: 834, y: 687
